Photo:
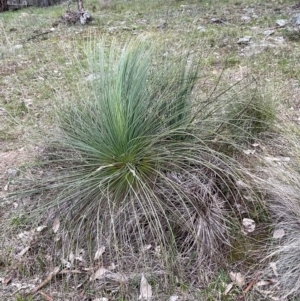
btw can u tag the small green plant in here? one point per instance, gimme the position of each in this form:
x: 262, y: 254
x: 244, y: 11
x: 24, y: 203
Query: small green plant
x: 216, y: 289
x: 24, y: 298
x: 19, y: 220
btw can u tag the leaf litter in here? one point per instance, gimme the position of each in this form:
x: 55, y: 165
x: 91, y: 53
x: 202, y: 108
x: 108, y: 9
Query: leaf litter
x: 145, y: 289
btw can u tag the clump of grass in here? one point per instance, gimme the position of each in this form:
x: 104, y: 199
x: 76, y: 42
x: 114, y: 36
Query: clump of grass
x: 251, y: 113
x: 285, y: 210
x: 137, y: 164
x: 292, y: 35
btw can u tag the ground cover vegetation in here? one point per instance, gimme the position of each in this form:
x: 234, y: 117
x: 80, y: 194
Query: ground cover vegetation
x: 152, y: 154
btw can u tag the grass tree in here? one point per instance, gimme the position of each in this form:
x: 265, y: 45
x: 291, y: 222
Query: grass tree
x: 139, y: 165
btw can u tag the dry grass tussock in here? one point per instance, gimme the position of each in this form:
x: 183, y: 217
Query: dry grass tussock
x: 284, y: 207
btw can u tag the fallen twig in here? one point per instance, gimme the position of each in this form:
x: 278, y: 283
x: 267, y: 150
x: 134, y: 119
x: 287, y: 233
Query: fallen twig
x: 48, y: 298
x: 252, y: 282
x: 47, y: 280
x: 39, y: 34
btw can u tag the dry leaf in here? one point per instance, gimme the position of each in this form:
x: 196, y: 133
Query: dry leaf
x: 7, y: 280
x: 112, y: 267
x: 26, y: 237
x: 99, y: 274
x: 146, y: 248
x: 228, y: 288
x: 6, y: 187
x: 145, y: 289
x: 277, y: 159
x: 101, y: 299
x: 40, y: 228
x: 79, y: 255
x: 71, y: 257
x: 65, y: 263
x: 274, y: 268
x: 19, y: 255
x: 173, y: 298
x: 248, y: 225
x: 279, y: 233
x: 262, y: 283
x: 249, y: 151
x: 237, y: 278
x: 118, y: 277
x: 241, y: 184
x: 79, y: 258
x: 99, y: 252
x: 157, y: 251
x: 56, y: 225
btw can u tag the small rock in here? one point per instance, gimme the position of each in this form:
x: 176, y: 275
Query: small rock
x: 279, y: 40
x: 296, y: 19
x: 246, y: 18
x: 18, y: 46
x: 281, y: 23
x: 2, y: 112
x: 244, y: 40
x: 268, y: 32
x: 92, y: 77
x: 112, y: 28
x: 201, y: 28
x: 248, y: 225
x: 27, y: 103
x: 162, y: 26
x: 279, y: 233
x: 12, y: 173
x: 216, y: 20
x: 237, y: 278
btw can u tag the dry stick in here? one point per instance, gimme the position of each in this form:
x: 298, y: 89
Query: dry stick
x: 252, y: 282
x: 48, y: 298
x: 47, y: 280
x: 66, y: 271
x: 39, y: 34
x: 80, y: 6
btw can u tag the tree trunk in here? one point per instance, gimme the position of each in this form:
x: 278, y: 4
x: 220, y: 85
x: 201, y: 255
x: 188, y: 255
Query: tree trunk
x: 80, y: 6
x: 3, y: 5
